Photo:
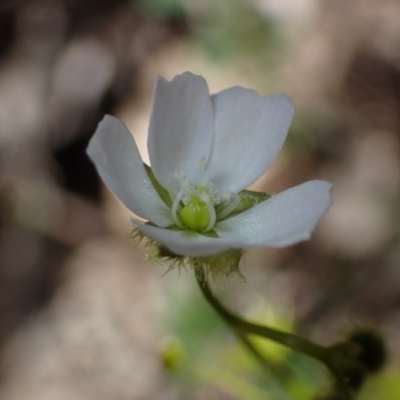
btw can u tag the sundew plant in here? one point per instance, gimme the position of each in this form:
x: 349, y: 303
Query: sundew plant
x: 193, y: 209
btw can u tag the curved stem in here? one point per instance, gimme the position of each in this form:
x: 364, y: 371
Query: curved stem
x: 253, y: 350
x: 242, y: 327
x: 287, y: 339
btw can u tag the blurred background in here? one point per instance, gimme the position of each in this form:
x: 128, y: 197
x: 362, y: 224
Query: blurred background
x: 82, y: 315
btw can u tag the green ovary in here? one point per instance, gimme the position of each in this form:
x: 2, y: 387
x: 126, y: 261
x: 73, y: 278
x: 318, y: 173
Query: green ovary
x: 195, y: 214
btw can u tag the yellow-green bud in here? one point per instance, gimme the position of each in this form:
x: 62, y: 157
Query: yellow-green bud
x: 172, y: 353
x: 195, y: 215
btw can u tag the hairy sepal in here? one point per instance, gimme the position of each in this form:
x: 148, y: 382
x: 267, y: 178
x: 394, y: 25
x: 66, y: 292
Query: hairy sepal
x: 209, y: 267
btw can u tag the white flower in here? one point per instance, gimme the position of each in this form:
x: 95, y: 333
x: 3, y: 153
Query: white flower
x: 204, y: 150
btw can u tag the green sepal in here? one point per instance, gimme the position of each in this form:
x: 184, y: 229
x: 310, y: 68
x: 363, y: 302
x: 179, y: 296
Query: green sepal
x: 218, y: 265
x: 209, y: 266
x: 211, y: 234
x: 248, y: 199
x: 162, y: 192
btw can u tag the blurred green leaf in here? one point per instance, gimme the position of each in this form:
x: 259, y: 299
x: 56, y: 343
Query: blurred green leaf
x: 160, y: 9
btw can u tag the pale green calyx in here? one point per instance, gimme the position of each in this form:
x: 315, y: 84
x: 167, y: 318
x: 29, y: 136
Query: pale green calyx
x: 211, y: 266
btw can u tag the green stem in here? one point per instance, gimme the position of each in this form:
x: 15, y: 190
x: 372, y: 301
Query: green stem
x: 247, y: 343
x: 287, y: 339
x: 242, y: 327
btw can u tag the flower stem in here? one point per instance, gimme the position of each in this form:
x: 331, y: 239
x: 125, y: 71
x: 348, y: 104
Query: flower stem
x: 287, y: 339
x: 242, y: 327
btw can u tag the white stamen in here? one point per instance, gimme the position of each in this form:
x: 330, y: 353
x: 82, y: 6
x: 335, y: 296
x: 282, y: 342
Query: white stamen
x: 174, y: 208
x: 181, y: 176
x: 226, y: 196
x: 235, y: 202
x: 202, y: 163
x: 213, y: 216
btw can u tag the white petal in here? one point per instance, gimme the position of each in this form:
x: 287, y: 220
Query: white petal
x: 181, y: 127
x: 118, y: 162
x: 284, y: 219
x: 186, y: 243
x: 249, y: 132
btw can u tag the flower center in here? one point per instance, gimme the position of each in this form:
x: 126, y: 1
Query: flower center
x: 195, y: 214
x: 194, y: 206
